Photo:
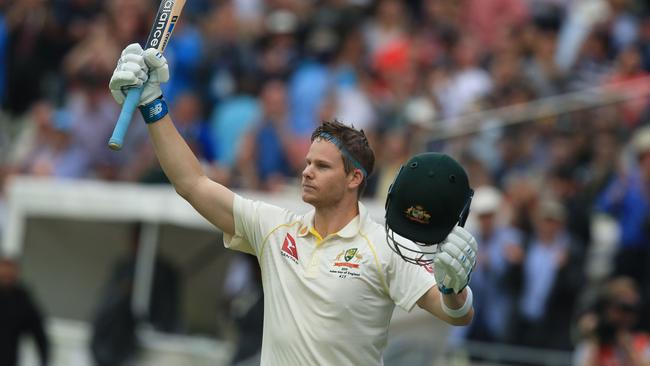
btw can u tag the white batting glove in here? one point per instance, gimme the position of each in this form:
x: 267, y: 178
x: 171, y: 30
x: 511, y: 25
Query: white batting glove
x: 136, y: 68
x: 455, y: 261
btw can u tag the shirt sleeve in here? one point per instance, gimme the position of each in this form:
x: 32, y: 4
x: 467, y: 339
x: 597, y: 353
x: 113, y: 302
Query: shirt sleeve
x: 407, y: 282
x: 254, y: 220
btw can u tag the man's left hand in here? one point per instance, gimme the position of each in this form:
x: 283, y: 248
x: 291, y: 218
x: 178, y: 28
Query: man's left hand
x: 455, y: 260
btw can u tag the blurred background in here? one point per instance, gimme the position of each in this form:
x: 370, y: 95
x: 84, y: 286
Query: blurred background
x: 545, y: 102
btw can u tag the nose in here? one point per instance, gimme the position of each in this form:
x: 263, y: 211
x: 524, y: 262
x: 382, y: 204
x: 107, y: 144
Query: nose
x: 307, y: 172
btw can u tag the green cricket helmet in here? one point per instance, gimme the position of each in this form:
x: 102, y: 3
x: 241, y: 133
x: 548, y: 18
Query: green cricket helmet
x: 429, y: 196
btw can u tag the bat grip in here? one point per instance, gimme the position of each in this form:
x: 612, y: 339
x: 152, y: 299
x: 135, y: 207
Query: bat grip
x: 130, y: 103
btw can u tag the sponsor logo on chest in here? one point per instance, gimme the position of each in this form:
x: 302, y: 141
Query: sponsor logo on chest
x: 289, y: 248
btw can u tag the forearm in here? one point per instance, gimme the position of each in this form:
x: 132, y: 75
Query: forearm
x: 456, y: 302
x: 176, y: 158
x: 212, y: 200
x: 432, y: 301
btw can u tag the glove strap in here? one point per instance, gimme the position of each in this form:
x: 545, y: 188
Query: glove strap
x: 445, y: 290
x: 463, y: 310
x: 154, y: 111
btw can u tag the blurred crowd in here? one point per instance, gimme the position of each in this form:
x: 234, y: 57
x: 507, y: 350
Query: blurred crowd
x: 250, y: 79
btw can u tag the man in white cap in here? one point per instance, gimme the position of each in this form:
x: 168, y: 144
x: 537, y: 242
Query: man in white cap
x: 500, y: 250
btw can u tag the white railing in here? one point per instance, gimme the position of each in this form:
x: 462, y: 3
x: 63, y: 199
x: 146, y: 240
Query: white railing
x: 600, y: 96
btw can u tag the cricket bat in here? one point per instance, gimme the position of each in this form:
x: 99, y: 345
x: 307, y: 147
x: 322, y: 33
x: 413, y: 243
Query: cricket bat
x: 161, y: 31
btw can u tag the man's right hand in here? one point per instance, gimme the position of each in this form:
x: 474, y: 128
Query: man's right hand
x: 136, y: 68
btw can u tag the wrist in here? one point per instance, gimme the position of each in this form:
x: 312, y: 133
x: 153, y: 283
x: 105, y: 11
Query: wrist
x: 445, y: 290
x: 463, y: 310
x: 154, y: 110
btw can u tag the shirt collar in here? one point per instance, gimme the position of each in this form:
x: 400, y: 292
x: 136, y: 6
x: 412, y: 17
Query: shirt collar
x: 307, y: 224
x: 348, y: 231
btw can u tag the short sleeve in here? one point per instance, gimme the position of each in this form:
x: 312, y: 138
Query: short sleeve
x: 237, y: 242
x: 253, y: 221
x: 407, y: 282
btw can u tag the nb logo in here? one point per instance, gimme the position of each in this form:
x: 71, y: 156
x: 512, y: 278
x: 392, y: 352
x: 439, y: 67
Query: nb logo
x: 157, y: 109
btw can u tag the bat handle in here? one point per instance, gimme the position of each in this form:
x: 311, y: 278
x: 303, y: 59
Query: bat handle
x: 130, y: 103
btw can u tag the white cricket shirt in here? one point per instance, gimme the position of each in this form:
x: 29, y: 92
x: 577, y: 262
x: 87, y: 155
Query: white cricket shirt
x: 327, y: 301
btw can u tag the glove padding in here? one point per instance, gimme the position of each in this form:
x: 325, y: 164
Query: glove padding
x: 455, y: 261
x: 136, y: 68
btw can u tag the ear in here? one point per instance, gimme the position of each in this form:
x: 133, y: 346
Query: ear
x: 355, y: 178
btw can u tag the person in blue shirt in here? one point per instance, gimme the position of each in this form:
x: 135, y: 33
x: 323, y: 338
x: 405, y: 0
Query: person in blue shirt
x: 272, y: 151
x: 627, y: 199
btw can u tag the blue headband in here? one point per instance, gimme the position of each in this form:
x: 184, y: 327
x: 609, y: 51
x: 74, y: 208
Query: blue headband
x: 344, y: 151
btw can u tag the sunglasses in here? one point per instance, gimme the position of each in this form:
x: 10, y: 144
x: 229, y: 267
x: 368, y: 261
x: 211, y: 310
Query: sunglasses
x: 628, y: 307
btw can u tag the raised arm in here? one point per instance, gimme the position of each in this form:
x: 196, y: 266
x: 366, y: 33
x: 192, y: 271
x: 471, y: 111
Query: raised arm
x: 212, y: 200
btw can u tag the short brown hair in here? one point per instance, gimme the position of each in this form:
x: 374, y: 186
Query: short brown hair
x: 356, y: 144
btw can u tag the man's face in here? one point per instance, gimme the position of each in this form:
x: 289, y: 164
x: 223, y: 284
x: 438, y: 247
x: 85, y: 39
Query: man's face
x: 624, y: 310
x: 486, y: 221
x: 8, y: 273
x: 324, y: 181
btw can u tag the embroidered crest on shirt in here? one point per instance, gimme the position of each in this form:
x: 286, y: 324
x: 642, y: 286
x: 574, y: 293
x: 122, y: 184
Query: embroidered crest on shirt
x: 289, y: 248
x: 347, y: 263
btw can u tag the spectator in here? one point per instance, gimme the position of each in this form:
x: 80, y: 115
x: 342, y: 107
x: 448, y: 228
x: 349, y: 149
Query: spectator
x: 32, y: 54
x: 501, y: 252
x: 230, y: 122
x: 593, y: 62
x: 522, y: 194
x: 628, y: 76
x: 184, y: 56
x: 310, y: 84
x: 626, y: 200
x: 271, y: 151
x: 52, y: 149
x: 353, y: 100
x: 608, y: 329
x: 602, y: 164
x: 224, y: 59
x: 113, y: 341
x: 59, y: 156
x: 279, y: 47
x: 468, y: 82
x: 489, y: 20
x: 623, y: 23
x: 563, y: 183
x: 33, y: 132
x: 552, y: 275
x: 389, y: 25
x: 541, y: 70
x: 644, y: 42
x: 394, y: 153
x: 245, y: 297
x: 581, y: 18
x: 19, y: 315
